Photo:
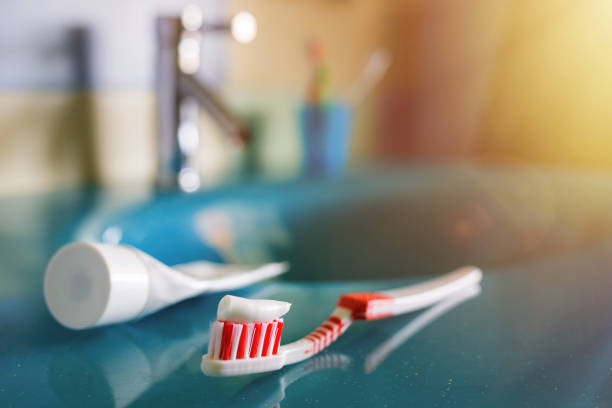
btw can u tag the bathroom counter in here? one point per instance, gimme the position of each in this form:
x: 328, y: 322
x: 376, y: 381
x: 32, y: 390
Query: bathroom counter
x: 538, y: 334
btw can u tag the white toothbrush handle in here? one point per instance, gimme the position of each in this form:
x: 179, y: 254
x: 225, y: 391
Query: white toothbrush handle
x: 416, y: 297
x: 376, y: 305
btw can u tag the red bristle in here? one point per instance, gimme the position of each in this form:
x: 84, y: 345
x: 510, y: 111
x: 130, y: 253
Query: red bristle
x: 328, y: 327
x: 242, y: 344
x: 279, y: 330
x: 226, y: 341
x: 266, y: 344
x: 256, y: 334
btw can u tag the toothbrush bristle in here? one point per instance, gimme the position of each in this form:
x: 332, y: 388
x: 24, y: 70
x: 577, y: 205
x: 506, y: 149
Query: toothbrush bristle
x: 255, y: 340
x: 232, y: 340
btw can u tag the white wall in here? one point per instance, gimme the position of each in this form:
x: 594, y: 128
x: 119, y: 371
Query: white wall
x: 35, y: 48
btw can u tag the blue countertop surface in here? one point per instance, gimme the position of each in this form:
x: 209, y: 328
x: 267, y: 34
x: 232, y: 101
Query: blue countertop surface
x: 538, y: 335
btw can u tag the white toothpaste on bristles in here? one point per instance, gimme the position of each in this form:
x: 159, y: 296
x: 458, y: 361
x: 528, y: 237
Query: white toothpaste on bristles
x: 241, y: 310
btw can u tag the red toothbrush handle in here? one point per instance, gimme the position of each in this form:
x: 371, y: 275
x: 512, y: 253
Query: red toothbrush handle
x: 366, y: 305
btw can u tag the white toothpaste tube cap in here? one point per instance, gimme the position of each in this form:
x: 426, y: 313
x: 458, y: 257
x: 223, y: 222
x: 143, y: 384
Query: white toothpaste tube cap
x: 92, y: 284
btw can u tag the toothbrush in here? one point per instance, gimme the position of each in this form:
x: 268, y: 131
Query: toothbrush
x: 246, y: 335
x: 268, y: 391
x: 377, y: 65
x: 318, y: 85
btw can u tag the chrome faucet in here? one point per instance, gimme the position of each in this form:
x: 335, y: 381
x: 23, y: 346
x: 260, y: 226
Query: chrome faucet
x: 180, y: 96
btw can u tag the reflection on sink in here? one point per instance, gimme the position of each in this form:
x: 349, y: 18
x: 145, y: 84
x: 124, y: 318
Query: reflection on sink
x: 240, y: 233
x: 115, y: 366
x: 382, y: 224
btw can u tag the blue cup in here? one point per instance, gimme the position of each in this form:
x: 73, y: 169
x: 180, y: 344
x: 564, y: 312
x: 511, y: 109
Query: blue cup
x: 325, y: 130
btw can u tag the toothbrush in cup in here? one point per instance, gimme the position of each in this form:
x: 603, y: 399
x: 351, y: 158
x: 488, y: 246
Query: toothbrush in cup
x: 245, y: 338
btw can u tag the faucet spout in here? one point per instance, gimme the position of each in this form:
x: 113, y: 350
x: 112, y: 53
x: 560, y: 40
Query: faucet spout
x: 189, y: 86
x: 179, y: 99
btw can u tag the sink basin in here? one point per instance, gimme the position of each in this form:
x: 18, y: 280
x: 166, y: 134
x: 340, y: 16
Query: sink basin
x: 537, y: 335
x: 386, y: 224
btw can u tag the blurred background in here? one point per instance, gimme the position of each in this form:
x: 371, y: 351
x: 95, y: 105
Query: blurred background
x: 504, y: 80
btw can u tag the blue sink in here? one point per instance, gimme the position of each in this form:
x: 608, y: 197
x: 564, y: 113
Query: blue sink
x: 376, y: 225
x: 537, y: 335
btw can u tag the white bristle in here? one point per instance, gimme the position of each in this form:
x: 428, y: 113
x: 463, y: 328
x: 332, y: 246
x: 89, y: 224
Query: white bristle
x: 211, y: 340
x: 272, y: 338
x: 249, y: 342
x: 262, y: 336
x: 218, y: 334
x: 237, y: 330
